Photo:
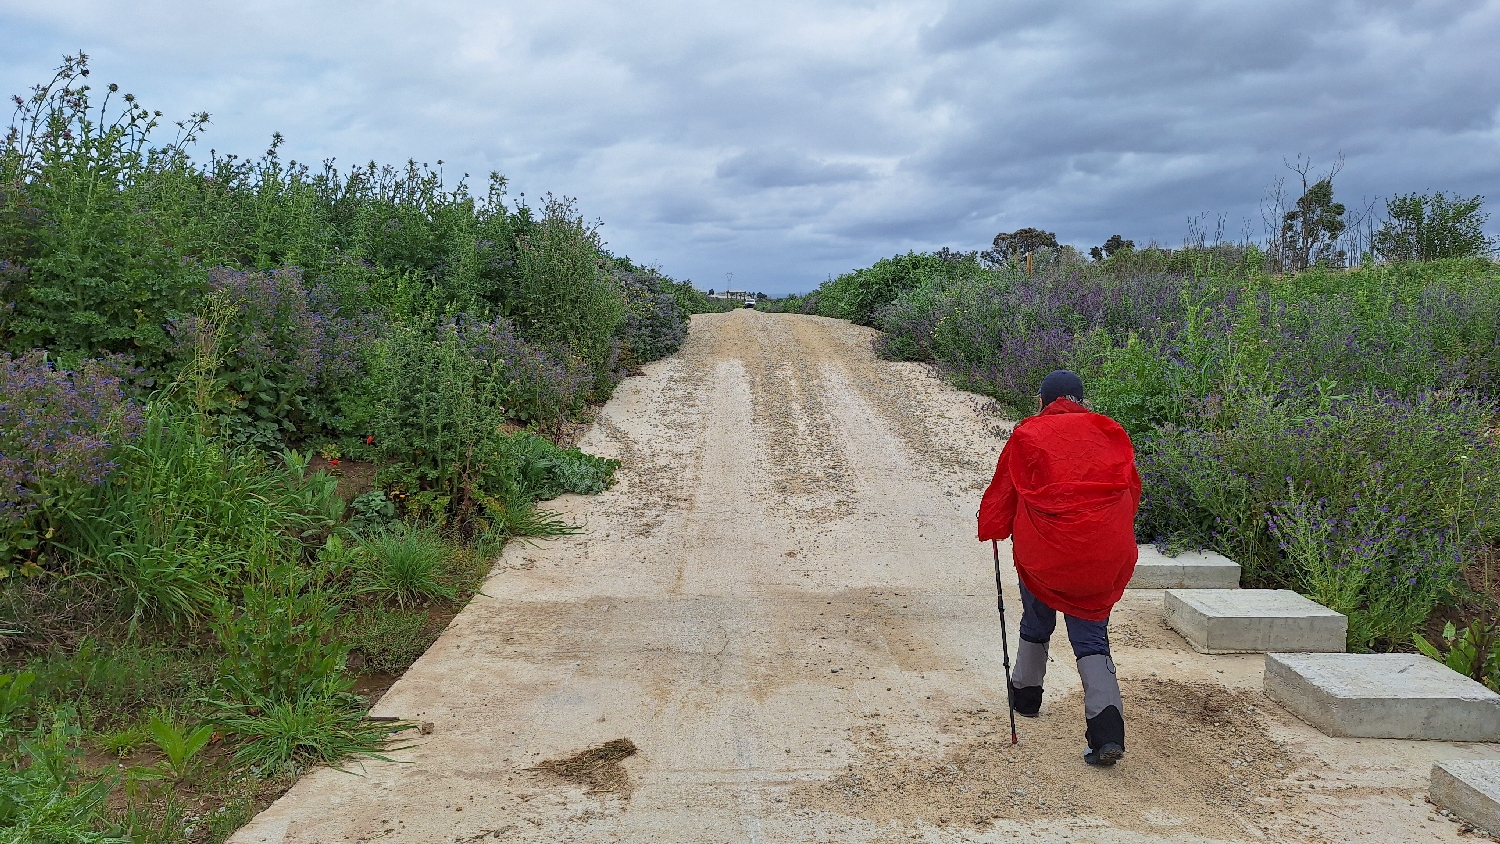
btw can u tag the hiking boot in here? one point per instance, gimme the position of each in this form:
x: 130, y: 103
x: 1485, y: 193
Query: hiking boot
x: 1026, y: 700
x: 1106, y: 736
x: 1105, y: 756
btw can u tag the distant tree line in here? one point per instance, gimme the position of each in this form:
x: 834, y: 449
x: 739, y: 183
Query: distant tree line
x: 1316, y: 230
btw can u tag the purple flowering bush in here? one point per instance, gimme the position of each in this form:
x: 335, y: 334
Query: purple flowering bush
x: 998, y: 332
x: 279, y: 353
x: 58, y: 429
x: 654, y: 325
x: 1371, y: 504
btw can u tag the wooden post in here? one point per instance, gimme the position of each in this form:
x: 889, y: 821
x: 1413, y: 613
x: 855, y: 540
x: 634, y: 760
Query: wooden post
x: 1029, y: 271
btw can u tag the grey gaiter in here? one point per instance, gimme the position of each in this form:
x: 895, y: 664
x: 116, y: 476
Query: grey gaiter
x: 1101, y: 689
x: 1031, y: 664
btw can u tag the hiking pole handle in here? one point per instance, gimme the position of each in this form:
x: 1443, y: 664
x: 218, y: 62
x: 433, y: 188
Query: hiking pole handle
x: 1010, y: 708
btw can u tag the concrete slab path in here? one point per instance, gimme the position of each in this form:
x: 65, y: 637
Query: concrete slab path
x: 782, y: 607
x: 1226, y: 621
x: 1469, y: 789
x: 1188, y: 570
x: 1405, y: 696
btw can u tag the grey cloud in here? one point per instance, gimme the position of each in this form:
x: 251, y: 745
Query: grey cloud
x: 784, y: 168
x: 785, y: 140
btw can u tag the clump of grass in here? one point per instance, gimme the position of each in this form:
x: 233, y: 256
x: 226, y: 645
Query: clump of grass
x: 389, y: 639
x: 403, y: 564
x: 124, y: 741
x: 286, y: 737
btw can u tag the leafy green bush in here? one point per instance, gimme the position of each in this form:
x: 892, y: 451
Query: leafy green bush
x: 1370, y: 504
x: 282, y: 645
x: 562, y: 294
x: 371, y: 510
x: 99, y: 273
x: 858, y: 295
x: 1474, y: 652
x: 187, y: 516
x: 1430, y: 228
x: 541, y: 470
x: 444, y: 419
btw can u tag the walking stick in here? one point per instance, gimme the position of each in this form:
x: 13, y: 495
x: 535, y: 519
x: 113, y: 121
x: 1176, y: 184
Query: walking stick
x: 1004, y: 643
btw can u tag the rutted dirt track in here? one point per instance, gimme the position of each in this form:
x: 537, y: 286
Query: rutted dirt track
x: 780, y: 605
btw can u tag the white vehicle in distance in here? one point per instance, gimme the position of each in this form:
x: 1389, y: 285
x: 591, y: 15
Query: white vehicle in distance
x: 749, y: 301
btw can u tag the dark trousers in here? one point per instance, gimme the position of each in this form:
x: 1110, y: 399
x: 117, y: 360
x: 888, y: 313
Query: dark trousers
x: 1102, y: 707
x: 1038, y: 621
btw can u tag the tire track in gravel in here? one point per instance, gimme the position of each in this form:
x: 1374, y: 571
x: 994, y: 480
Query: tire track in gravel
x: 808, y: 465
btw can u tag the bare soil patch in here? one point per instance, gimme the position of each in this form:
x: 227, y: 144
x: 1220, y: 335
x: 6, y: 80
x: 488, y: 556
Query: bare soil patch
x: 597, y: 768
x: 1199, y: 759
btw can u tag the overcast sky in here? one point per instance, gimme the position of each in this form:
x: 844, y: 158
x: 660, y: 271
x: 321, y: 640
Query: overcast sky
x: 786, y: 141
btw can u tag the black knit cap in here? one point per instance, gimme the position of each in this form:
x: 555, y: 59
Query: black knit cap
x: 1061, y: 383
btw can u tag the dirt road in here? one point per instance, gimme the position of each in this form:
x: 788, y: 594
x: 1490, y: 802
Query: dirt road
x: 782, y: 610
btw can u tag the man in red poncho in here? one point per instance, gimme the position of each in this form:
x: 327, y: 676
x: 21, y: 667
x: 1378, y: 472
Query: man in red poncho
x: 1067, y: 490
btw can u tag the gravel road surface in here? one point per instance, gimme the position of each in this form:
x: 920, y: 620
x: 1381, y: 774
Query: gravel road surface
x: 777, y: 628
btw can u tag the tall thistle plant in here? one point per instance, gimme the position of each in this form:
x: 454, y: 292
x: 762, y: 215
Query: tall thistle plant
x: 99, y: 274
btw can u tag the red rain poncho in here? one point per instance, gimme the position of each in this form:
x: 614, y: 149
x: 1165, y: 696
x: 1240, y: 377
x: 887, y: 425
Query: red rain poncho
x: 1067, y: 489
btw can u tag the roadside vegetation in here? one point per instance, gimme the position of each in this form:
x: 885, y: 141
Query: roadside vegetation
x: 1332, y: 428
x: 263, y: 427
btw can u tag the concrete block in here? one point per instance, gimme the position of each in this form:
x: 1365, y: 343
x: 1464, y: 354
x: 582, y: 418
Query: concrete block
x: 1470, y: 789
x: 1398, y: 696
x: 1227, y: 621
x: 1188, y: 570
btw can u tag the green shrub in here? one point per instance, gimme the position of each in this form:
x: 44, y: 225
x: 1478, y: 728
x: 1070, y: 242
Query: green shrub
x: 1430, y: 228
x: 100, y: 275
x: 857, y: 296
x: 186, y: 517
x: 273, y: 355
x: 562, y: 294
x: 542, y: 470
x: 371, y: 510
x: 443, y: 421
x: 282, y: 645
